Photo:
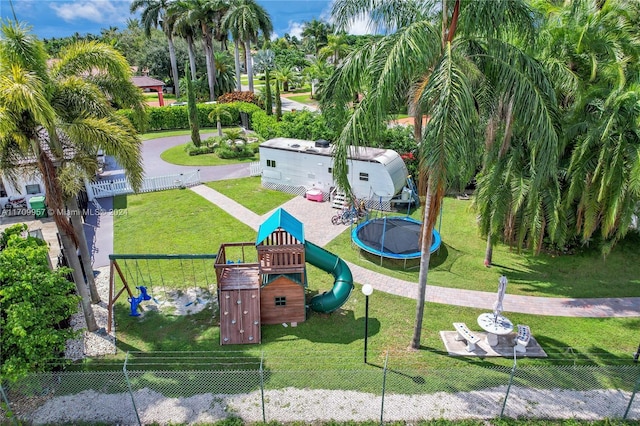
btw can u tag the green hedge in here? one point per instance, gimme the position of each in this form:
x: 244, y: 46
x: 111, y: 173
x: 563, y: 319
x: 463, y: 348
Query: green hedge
x: 176, y: 117
x: 300, y: 124
x: 266, y: 125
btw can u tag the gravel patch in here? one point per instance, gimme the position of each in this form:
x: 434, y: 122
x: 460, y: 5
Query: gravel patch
x: 303, y: 405
x: 100, y: 343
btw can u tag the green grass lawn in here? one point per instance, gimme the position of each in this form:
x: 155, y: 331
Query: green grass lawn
x: 304, y: 99
x: 304, y: 89
x: 256, y: 198
x: 179, y: 221
x: 177, y: 155
x: 459, y: 263
x: 168, y: 133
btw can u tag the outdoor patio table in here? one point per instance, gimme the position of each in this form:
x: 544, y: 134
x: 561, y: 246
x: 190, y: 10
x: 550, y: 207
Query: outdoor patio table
x: 494, y: 325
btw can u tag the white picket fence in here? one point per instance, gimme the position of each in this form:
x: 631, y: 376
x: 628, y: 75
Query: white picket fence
x: 255, y: 169
x: 110, y: 188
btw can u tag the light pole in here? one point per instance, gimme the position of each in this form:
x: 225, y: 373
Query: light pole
x: 367, y: 290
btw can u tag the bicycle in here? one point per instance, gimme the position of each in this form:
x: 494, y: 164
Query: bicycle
x: 350, y: 215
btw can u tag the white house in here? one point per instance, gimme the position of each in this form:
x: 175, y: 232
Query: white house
x: 296, y: 166
x: 27, y: 184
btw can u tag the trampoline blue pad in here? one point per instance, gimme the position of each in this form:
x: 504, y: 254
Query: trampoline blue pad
x: 393, y: 237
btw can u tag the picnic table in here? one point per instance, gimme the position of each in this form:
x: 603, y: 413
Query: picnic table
x: 494, y: 325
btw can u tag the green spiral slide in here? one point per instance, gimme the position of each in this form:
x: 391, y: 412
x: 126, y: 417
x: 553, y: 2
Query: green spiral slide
x: 331, y: 300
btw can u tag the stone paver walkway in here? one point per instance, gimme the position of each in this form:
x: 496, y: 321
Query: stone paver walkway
x: 319, y: 230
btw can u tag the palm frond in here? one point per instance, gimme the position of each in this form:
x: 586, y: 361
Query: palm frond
x: 23, y: 92
x: 115, y: 137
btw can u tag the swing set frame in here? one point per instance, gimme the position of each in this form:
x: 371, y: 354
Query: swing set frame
x: 115, y: 267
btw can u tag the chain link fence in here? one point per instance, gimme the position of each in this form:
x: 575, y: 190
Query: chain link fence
x: 141, y: 394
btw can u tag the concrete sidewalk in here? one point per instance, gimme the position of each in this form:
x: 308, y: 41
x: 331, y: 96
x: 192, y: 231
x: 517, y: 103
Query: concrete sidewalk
x: 318, y: 229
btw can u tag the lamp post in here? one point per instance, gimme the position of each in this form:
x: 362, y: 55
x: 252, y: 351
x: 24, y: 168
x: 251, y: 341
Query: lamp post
x: 367, y: 290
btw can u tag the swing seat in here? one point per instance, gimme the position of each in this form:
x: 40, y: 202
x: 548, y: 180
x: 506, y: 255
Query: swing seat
x: 143, y: 293
x: 135, y: 301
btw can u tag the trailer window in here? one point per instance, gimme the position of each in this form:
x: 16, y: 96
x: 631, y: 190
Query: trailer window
x: 271, y: 163
x: 281, y: 301
x: 33, y: 189
x: 364, y: 176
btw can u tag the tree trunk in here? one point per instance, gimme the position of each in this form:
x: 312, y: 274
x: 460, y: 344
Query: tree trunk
x: 174, y: 67
x: 219, y: 125
x: 192, y: 56
x: 488, y: 254
x: 247, y: 50
x: 236, y: 52
x: 212, y: 79
x: 424, y: 271
x: 85, y: 255
x: 74, y: 263
x: 416, y: 111
x: 208, y: 53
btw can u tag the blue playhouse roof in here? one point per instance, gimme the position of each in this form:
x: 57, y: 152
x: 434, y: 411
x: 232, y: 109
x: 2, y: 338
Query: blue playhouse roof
x: 281, y: 219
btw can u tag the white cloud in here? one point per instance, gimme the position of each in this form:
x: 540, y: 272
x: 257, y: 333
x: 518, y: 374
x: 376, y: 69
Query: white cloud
x: 100, y: 11
x: 295, y: 29
x: 360, y: 26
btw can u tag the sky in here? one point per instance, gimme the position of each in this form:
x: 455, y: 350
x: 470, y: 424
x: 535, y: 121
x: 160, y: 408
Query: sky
x: 61, y: 18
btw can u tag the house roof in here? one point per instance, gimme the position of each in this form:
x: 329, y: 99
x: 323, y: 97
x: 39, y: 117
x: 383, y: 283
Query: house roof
x: 144, y: 81
x: 28, y: 158
x: 281, y: 219
x: 364, y: 153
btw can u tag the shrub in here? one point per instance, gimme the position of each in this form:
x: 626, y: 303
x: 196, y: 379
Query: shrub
x: 234, y: 150
x: 208, y: 146
x: 34, y: 302
x: 248, y: 97
x: 306, y: 125
x: 199, y: 150
x: 266, y: 125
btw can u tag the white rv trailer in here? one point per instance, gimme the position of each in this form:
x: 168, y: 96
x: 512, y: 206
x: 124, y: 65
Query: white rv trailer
x: 295, y: 165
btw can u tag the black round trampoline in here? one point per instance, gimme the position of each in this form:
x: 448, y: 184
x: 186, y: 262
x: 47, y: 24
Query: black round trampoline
x: 392, y: 237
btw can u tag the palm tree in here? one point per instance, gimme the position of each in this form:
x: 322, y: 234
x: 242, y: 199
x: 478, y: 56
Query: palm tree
x: 265, y: 61
x: 217, y: 112
x: 599, y: 44
x: 317, y: 73
x: 245, y: 20
x: 336, y: 48
x: 285, y: 74
x: 316, y: 32
x: 154, y: 14
x: 183, y: 28
x: 225, y: 75
x: 207, y: 15
x: 58, y: 117
x: 440, y: 68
